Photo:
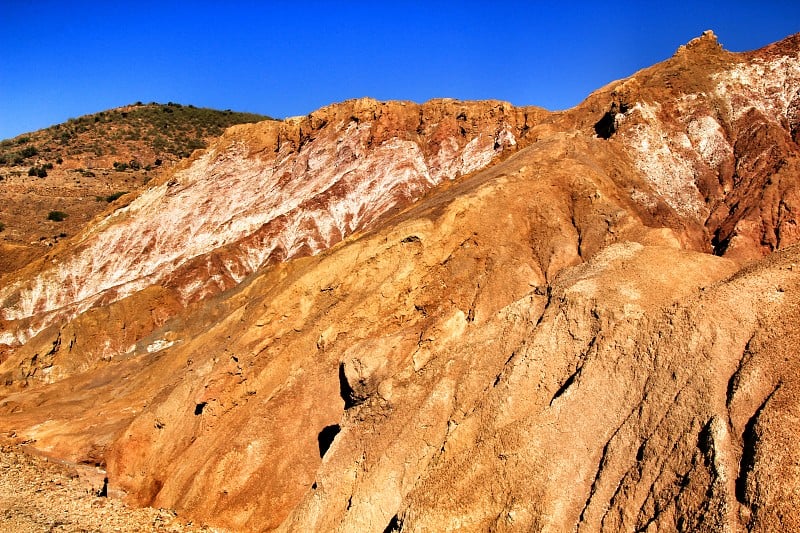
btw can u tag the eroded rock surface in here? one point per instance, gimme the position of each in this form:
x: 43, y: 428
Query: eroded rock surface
x: 453, y: 316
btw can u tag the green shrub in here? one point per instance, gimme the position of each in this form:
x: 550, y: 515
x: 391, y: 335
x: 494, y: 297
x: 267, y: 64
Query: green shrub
x: 159, y: 144
x: 2, y: 226
x: 28, y: 151
x: 56, y: 216
x: 111, y: 197
x: 195, y: 144
x: 39, y: 171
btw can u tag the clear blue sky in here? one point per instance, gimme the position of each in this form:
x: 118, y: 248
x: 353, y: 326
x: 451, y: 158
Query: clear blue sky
x: 68, y: 58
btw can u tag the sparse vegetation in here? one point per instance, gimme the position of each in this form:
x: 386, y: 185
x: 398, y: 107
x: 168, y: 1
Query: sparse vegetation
x: 2, y: 226
x: 111, y: 197
x: 40, y: 171
x: 170, y: 131
x: 57, y: 216
x: 29, y: 151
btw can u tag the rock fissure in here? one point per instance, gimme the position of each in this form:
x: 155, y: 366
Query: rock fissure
x: 749, y: 441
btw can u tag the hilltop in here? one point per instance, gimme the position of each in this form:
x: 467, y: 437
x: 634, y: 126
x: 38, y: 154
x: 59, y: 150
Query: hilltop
x: 145, y: 134
x: 55, y: 180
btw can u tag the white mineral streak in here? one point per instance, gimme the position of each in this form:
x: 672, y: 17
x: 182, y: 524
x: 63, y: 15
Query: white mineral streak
x: 661, y: 157
x: 313, y: 199
x: 160, y: 344
x: 477, y: 153
x: 708, y: 139
x: 766, y: 85
x: 669, y: 158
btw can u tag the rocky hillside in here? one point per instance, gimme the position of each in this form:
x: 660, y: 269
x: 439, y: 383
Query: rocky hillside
x: 56, y: 180
x: 447, y: 316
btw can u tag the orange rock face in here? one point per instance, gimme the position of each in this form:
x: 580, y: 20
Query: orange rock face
x: 453, y: 315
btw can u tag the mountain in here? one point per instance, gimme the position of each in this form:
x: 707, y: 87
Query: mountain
x: 55, y: 181
x: 389, y: 316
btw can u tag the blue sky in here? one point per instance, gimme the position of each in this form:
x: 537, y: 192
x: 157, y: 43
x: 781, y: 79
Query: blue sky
x: 66, y: 59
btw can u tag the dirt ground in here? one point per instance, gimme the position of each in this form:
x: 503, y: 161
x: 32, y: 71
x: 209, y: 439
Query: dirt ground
x: 38, y: 495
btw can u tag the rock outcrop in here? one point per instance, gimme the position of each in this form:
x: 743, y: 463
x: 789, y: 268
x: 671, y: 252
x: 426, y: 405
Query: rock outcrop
x: 264, y: 193
x: 390, y: 316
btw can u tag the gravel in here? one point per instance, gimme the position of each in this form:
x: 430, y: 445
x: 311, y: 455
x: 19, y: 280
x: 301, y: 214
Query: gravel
x: 39, y: 495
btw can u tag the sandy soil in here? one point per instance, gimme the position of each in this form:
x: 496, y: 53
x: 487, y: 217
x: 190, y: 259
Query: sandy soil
x: 72, y: 502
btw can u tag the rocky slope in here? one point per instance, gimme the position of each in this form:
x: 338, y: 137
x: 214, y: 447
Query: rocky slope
x: 390, y: 316
x: 77, y: 168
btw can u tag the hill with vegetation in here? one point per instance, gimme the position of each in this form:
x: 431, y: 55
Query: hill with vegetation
x: 55, y: 180
x: 142, y: 134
